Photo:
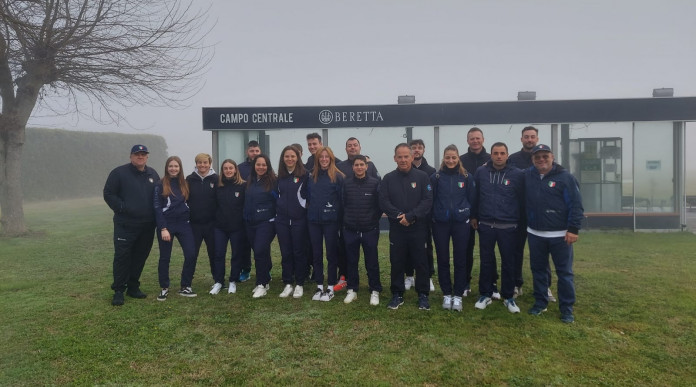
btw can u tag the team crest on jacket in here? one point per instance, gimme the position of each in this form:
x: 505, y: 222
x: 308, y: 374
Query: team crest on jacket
x: 552, y: 184
x: 460, y: 184
x: 236, y: 194
x: 506, y: 182
x: 151, y: 180
x: 295, y: 180
x: 212, y: 185
x: 413, y: 184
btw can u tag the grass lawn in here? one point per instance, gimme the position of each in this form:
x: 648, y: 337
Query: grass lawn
x: 635, y: 321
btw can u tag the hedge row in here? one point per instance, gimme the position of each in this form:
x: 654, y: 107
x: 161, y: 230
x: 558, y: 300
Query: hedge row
x: 63, y: 164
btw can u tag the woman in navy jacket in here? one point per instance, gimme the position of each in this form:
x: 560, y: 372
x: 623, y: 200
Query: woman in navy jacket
x: 291, y: 220
x: 259, y: 214
x: 172, y: 216
x: 452, y: 194
x: 229, y: 221
x: 324, y: 217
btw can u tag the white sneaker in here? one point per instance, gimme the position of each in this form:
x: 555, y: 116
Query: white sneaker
x: 550, y: 296
x: 447, y: 302
x: 466, y: 292
x: 299, y: 291
x: 317, y: 295
x: 511, y: 305
x: 409, y: 282
x: 457, y: 304
x: 232, y: 288
x: 327, y: 295
x: 260, y: 291
x: 350, y: 297
x: 496, y: 295
x: 483, y: 302
x: 216, y: 288
x: 374, y: 298
x: 518, y: 292
x: 432, y: 285
x: 286, y: 291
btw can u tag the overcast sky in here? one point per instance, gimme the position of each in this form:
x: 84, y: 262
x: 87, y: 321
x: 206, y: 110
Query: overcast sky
x: 321, y: 52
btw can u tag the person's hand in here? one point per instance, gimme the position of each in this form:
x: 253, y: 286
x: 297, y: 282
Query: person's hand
x: 402, y: 220
x: 474, y: 224
x: 570, y: 238
x: 165, y: 235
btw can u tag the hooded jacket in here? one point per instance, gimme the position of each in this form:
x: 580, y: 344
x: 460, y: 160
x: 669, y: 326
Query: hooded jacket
x: 499, y: 194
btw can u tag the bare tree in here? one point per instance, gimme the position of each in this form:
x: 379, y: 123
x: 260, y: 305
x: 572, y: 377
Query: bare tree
x: 107, y: 53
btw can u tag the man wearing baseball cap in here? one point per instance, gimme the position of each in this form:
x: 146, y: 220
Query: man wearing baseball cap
x: 129, y: 192
x: 554, y: 217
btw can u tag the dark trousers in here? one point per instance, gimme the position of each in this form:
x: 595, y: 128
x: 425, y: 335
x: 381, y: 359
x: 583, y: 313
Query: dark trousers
x: 132, y: 245
x: 260, y: 237
x: 369, y: 241
x: 182, y: 232
x: 236, y: 239
x: 428, y: 252
x: 341, y: 257
x: 459, y: 233
x: 291, y: 239
x: 562, y: 256
x: 205, y: 232
x: 471, y: 243
x: 519, y: 260
x: 507, y: 240
x: 320, y: 234
x: 245, y: 252
x: 408, y: 243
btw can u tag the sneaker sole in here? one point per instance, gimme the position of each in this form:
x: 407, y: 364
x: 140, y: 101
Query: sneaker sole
x: 188, y: 295
x: 539, y: 313
x: 395, y: 307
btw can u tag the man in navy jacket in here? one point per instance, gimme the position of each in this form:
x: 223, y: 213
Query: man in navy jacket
x: 554, y: 217
x: 129, y: 191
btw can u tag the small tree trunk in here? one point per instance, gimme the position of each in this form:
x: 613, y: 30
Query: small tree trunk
x: 11, y: 203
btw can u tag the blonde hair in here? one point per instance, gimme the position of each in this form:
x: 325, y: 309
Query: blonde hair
x: 332, y: 171
x: 204, y: 156
x: 452, y: 147
x: 236, y: 179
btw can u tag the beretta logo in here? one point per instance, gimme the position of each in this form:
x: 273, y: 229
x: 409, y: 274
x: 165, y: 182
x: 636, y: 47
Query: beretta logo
x: 325, y: 117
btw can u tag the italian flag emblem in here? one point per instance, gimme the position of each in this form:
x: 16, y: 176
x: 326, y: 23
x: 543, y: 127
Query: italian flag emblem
x: 552, y: 184
x: 413, y: 185
x: 461, y: 184
x: 506, y: 182
x: 295, y: 180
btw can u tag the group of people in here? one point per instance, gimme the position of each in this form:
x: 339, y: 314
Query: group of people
x: 331, y: 207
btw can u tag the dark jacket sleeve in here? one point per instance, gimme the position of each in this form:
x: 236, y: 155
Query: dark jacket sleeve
x: 574, y: 202
x: 385, y: 201
x: 159, y: 215
x: 112, y: 188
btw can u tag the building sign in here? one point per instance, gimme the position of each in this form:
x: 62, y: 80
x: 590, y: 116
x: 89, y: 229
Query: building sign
x: 474, y: 113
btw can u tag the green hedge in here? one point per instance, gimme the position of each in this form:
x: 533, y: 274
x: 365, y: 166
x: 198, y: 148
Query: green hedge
x: 63, y: 164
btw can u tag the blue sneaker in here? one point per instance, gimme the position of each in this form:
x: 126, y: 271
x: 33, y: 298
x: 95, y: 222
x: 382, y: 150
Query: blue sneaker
x: 537, y: 310
x: 244, y: 275
x: 568, y: 318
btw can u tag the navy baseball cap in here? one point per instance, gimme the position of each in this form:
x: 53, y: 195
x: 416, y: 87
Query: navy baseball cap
x: 139, y: 149
x: 541, y: 147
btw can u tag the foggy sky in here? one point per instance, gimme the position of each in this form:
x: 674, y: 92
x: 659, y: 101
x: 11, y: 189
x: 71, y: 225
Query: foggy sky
x: 320, y: 52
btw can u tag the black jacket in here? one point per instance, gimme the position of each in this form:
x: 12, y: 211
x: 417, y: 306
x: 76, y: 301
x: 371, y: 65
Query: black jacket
x: 201, y: 199
x: 171, y: 208
x: 292, y: 198
x: 229, y: 214
x: 361, y: 203
x: 425, y: 167
x: 325, y: 202
x: 472, y: 161
x: 407, y: 193
x: 259, y: 203
x: 521, y: 159
x: 346, y: 166
x: 499, y: 194
x: 130, y: 193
